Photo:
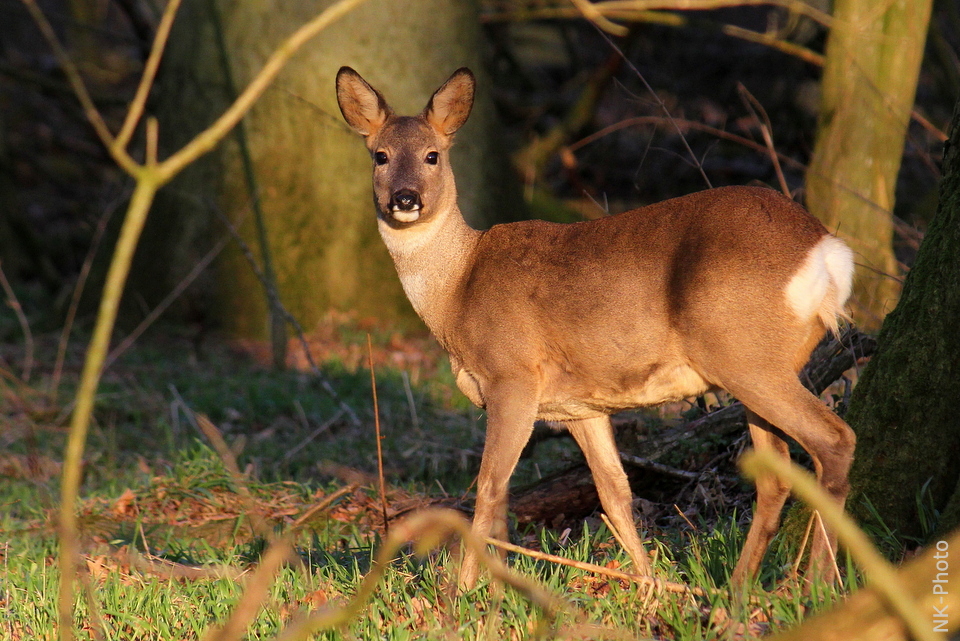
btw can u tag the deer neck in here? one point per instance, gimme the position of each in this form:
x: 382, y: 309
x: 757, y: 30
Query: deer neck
x: 432, y: 259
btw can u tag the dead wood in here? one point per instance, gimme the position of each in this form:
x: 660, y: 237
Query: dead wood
x: 569, y: 495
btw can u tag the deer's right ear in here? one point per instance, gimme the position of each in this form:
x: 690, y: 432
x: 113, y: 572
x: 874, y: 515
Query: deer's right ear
x: 362, y: 106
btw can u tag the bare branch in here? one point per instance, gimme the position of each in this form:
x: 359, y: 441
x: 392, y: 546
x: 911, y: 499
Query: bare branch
x: 120, y: 156
x: 766, y: 129
x: 661, y: 104
x: 208, y: 139
x: 149, y: 74
x: 591, y: 13
x: 24, y: 325
x: 656, y: 584
x: 632, y: 10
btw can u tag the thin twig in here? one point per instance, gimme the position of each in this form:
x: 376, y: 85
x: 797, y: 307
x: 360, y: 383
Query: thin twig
x: 589, y: 11
x: 659, y: 584
x: 766, y: 129
x: 208, y: 429
x: 278, y: 328
x: 317, y: 432
x: 830, y: 550
x: 613, y: 529
x: 414, y: 419
x: 879, y: 573
x: 162, y: 306
x: 685, y: 517
x: 327, y: 501
x: 301, y: 336
x: 770, y: 40
x: 660, y: 103
x: 14, y: 304
x: 690, y: 124
x: 803, y: 546
x: 376, y: 424
x: 652, y: 465
x: 77, y: 293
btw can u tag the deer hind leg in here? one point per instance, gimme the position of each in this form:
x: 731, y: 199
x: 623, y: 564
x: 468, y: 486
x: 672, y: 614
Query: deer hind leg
x: 824, y: 435
x: 510, y: 416
x: 595, y: 438
x: 833, y: 473
x: 771, y: 495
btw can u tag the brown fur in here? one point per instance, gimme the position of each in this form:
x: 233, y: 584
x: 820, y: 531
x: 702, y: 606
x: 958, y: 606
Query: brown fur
x: 570, y: 323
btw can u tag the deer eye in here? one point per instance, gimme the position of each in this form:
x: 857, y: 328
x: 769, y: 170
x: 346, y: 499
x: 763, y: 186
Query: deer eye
x: 380, y: 158
x: 432, y: 158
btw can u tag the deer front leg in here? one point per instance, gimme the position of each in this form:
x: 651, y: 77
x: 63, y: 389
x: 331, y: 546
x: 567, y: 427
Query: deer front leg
x: 595, y: 438
x: 511, y: 411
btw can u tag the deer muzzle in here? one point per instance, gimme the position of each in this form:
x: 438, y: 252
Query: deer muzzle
x: 405, y: 205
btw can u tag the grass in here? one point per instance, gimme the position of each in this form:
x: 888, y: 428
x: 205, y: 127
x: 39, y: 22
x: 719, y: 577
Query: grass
x: 410, y: 603
x: 153, y: 489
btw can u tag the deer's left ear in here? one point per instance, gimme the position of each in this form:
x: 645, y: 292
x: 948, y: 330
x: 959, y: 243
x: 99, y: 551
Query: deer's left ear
x: 450, y: 105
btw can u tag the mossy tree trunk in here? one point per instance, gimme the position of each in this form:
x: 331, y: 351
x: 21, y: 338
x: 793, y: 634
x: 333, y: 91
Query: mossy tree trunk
x: 905, y: 407
x: 312, y: 174
x: 874, y: 52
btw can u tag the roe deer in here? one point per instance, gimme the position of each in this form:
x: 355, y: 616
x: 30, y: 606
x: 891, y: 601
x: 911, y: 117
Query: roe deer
x: 727, y: 288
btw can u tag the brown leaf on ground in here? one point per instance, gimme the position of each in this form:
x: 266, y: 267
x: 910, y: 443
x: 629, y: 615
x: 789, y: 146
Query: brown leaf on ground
x: 126, y: 505
x: 29, y: 467
x: 341, y: 337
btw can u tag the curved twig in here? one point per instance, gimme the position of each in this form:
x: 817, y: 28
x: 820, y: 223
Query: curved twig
x: 879, y: 573
x: 427, y: 530
x: 640, y: 579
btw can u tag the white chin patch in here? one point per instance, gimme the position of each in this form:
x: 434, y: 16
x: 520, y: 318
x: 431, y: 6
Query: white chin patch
x: 405, y: 216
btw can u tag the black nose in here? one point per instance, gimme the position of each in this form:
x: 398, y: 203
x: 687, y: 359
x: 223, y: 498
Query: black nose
x: 405, y: 200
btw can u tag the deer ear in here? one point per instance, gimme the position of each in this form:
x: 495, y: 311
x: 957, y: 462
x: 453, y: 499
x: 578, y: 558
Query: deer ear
x: 362, y: 106
x: 450, y: 105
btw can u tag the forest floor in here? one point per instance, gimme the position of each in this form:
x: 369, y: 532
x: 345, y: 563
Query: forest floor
x: 170, y: 538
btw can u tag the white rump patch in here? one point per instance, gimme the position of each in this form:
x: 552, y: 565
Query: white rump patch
x: 823, y: 283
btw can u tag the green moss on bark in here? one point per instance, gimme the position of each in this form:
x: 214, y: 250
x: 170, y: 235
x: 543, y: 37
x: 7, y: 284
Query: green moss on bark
x: 312, y: 172
x: 869, y: 84
x: 906, y: 408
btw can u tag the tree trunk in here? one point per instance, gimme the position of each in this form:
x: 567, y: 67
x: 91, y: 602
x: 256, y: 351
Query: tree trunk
x: 904, y: 409
x: 869, y: 82
x: 310, y: 174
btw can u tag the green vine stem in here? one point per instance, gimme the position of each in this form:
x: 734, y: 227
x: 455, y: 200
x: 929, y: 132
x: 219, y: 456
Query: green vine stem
x: 150, y: 177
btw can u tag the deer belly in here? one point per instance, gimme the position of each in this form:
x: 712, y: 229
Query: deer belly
x: 578, y: 399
